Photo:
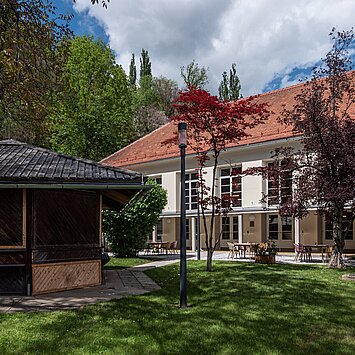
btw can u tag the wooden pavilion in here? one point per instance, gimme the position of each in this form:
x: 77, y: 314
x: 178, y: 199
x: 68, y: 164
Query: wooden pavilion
x: 50, y: 217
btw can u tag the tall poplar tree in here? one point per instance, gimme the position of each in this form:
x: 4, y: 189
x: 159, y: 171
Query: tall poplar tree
x: 146, y: 65
x: 230, y: 88
x: 133, y: 72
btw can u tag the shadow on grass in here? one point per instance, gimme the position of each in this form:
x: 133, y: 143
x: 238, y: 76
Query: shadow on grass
x: 237, y: 309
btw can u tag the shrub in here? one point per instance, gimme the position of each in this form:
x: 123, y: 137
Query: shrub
x: 127, y: 231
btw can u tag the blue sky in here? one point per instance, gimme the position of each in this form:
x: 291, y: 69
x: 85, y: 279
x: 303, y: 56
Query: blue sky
x: 273, y: 42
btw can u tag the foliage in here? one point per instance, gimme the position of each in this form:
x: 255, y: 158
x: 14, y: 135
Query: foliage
x: 132, y: 72
x: 147, y: 119
x: 229, y: 88
x: 324, y: 168
x: 152, y: 99
x: 166, y: 91
x: 241, y: 308
x: 93, y: 114
x: 146, y: 65
x: 127, y: 231
x: 268, y: 248
x: 194, y: 76
x: 213, y: 124
x: 103, y: 2
x: 32, y: 50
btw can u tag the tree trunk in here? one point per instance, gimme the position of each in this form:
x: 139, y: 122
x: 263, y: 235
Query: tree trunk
x: 209, y: 259
x: 336, y: 260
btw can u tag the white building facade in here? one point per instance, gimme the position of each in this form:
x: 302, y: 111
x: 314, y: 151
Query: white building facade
x: 250, y: 219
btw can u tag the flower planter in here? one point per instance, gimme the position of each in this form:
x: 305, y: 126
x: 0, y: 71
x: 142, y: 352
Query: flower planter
x: 265, y: 259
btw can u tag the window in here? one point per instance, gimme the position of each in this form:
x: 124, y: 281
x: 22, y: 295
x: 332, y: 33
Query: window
x: 235, y: 228
x: 346, y: 224
x: 286, y: 227
x: 159, y: 230
x: 230, y: 228
x: 231, y: 187
x: 279, y: 191
x: 225, y: 228
x: 191, y: 191
x: 157, y: 179
x: 187, y: 229
x: 273, y: 226
x: 280, y: 226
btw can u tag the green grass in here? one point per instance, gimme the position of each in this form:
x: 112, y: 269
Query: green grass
x: 123, y: 263
x: 240, y: 308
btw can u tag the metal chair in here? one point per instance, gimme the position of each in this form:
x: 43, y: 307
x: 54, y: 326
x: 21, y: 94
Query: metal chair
x: 299, y: 252
x: 231, y: 248
x: 173, y: 247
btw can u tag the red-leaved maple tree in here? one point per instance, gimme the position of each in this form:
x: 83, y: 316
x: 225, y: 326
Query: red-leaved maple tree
x: 213, y: 125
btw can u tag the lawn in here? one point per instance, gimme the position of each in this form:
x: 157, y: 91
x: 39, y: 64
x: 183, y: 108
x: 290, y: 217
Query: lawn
x: 240, y: 308
x: 123, y: 263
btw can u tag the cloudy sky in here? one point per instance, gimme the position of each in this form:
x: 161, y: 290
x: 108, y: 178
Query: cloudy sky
x: 273, y: 42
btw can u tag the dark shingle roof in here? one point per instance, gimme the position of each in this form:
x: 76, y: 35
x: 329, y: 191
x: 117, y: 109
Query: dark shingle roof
x: 20, y: 162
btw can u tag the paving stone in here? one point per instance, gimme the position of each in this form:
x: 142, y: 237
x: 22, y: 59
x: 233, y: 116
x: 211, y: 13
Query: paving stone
x: 118, y: 284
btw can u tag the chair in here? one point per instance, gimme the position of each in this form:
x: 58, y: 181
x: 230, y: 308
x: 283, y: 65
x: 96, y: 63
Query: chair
x: 307, y: 253
x: 328, y: 253
x: 173, y: 247
x: 251, y: 251
x: 149, y: 249
x: 299, y: 252
x: 167, y: 247
x: 232, y: 251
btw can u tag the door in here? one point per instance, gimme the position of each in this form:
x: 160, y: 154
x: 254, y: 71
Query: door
x: 280, y: 230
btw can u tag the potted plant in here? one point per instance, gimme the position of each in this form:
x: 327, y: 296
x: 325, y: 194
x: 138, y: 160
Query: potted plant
x: 265, y: 252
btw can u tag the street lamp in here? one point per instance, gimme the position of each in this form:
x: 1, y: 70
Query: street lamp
x: 198, y: 230
x: 182, y: 139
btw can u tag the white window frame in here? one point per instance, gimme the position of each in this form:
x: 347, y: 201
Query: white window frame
x: 230, y: 186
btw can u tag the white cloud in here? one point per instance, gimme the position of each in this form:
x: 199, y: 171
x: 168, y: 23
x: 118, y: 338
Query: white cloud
x: 263, y: 37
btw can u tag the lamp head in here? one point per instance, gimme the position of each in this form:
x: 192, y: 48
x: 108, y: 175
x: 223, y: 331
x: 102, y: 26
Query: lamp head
x: 182, y: 135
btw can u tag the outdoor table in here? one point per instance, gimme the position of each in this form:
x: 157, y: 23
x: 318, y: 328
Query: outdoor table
x: 322, y: 248
x: 157, y: 247
x: 243, y: 247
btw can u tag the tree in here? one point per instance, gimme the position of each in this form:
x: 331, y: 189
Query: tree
x: 213, y: 124
x: 132, y: 72
x: 127, y: 231
x: 146, y: 65
x: 103, y: 2
x: 32, y: 50
x: 194, y: 76
x: 152, y: 99
x: 324, y: 168
x: 166, y: 91
x: 147, y: 119
x: 93, y: 115
x: 229, y: 88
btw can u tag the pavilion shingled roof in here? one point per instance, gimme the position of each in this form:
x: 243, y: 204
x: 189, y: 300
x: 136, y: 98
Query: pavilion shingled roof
x: 20, y: 162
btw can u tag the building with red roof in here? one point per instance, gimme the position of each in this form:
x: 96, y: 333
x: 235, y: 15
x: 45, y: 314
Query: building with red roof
x: 251, y: 220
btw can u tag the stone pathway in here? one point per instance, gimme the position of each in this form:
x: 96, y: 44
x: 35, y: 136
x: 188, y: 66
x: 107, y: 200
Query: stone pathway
x: 119, y: 283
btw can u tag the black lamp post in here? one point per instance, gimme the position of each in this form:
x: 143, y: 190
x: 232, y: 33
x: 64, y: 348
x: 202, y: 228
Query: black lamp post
x: 182, y: 138
x: 198, y: 231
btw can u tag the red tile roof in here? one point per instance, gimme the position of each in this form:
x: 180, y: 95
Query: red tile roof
x: 149, y: 147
